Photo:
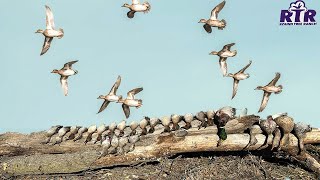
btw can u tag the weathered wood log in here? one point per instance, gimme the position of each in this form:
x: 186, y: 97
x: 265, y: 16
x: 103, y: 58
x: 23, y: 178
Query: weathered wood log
x: 71, y: 157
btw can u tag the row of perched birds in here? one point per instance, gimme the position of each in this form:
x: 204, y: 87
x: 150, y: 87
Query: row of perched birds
x: 121, y: 138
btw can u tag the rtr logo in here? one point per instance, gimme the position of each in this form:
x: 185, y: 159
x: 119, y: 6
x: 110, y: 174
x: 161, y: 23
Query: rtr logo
x: 298, y: 14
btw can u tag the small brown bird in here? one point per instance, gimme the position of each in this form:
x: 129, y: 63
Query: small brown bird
x: 166, y: 123
x: 80, y: 133
x: 210, y: 116
x: 188, y: 118
x: 175, y: 121
x: 52, y: 131
x: 268, y: 89
x: 237, y: 77
x: 130, y: 101
x: 153, y: 123
x: 286, y: 125
x: 213, y: 21
x: 268, y: 126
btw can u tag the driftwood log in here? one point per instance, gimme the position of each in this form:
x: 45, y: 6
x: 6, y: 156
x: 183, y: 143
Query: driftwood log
x: 24, y: 154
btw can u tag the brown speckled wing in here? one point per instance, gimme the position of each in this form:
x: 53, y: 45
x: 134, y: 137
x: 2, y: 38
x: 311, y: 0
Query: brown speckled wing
x: 235, y: 88
x: 126, y: 110
x: 46, y: 45
x: 64, y: 84
x: 68, y: 65
x: 274, y: 80
x: 130, y: 14
x: 104, y: 105
x: 227, y: 47
x: 49, y: 18
x: 264, y: 102
x: 246, y: 67
x: 215, y: 11
x: 207, y: 27
x: 223, y: 65
x: 134, y: 92
x: 115, y: 86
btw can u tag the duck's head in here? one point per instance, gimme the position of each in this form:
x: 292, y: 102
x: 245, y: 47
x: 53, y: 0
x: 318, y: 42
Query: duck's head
x: 55, y: 71
x: 258, y: 88
x: 101, y: 97
x: 202, y: 21
x: 125, y: 5
x: 39, y: 31
x: 213, y: 53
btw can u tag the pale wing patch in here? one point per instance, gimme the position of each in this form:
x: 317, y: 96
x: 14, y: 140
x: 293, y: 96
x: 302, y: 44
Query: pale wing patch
x: 223, y: 66
x: 264, y: 101
x: 46, y: 45
x: 64, y: 85
x: 115, y: 87
x: 49, y: 18
x: 216, y: 10
x: 135, y: 2
x: 235, y: 88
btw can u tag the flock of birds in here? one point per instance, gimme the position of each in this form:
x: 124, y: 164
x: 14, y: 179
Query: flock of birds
x: 121, y: 138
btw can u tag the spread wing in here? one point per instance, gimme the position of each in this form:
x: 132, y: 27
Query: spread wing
x: 246, y: 67
x: 133, y: 92
x: 130, y: 14
x: 135, y: 2
x: 104, y: 105
x: 235, y: 88
x: 49, y: 18
x: 207, y: 27
x: 223, y: 65
x: 68, y: 65
x: 64, y: 84
x: 264, y: 102
x: 215, y: 11
x: 115, y: 87
x: 46, y: 45
x: 126, y: 110
x: 227, y: 47
x: 274, y: 80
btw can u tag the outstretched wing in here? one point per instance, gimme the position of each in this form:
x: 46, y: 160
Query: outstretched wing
x: 133, y: 92
x: 235, y: 88
x: 246, y: 67
x: 49, y: 18
x: 126, y: 110
x: 46, y: 45
x: 64, y: 84
x: 68, y: 65
x: 135, y: 2
x: 227, y: 47
x: 264, y: 101
x: 115, y: 87
x: 104, y: 105
x: 207, y: 27
x: 130, y: 14
x: 223, y: 65
x: 274, y: 80
x: 215, y: 11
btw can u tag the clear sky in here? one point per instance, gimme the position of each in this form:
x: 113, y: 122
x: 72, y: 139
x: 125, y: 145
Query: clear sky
x: 165, y: 51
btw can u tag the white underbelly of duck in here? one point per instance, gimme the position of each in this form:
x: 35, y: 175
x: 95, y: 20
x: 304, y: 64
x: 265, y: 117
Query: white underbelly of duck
x: 112, y: 98
x: 52, y: 33
x: 241, y: 76
x: 272, y: 89
x: 133, y: 102
x: 68, y: 72
x: 228, y: 54
x: 215, y: 23
x: 139, y: 8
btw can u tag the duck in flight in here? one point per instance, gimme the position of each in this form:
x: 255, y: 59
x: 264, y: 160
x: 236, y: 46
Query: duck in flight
x: 130, y: 101
x: 213, y: 21
x: 65, y: 72
x: 240, y: 75
x: 111, y: 96
x: 136, y: 6
x: 224, y: 54
x: 50, y: 32
x: 268, y: 89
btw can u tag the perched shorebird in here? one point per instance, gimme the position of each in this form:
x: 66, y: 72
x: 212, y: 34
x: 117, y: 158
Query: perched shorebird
x: 111, y: 96
x: 133, y: 127
x: 221, y: 118
x: 91, y: 130
x: 213, y: 21
x: 237, y: 77
x: 133, y: 139
x: 114, y: 145
x: 121, y: 126
x: 63, y: 131
x: 153, y: 123
x: 95, y: 138
x: 188, y: 118
x: 166, y: 123
x: 268, y: 89
x: 136, y: 6
x: 101, y: 129
x: 300, y: 130
x: 52, y: 131
x: 80, y: 133
x: 223, y: 55
x: 286, y: 125
x: 112, y: 128
x: 143, y: 125
x: 65, y: 72
x: 50, y: 32
x: 122, y: 142
x: 175, y: 121
x: 73, y: 131
x: 201, y: 116
x: 130, y: 101
x: 105, y: 147
x: 210, y: 116
x: 268, y: 126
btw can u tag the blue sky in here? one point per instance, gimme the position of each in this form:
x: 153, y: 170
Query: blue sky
x: 164, y: 51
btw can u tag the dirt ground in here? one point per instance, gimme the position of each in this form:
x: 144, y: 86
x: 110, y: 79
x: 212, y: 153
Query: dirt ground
x: 214, y: 165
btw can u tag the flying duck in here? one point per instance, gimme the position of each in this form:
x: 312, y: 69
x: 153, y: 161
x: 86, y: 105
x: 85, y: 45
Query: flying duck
x: 240, y: 75
x: 50, y: 32
x: 213, y: 21
x: 224, y: 54
x: 136, y: 6
x: 65, y: 72
x: 111, y: 96
x: 130, y: 101
x: 268, y: 89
